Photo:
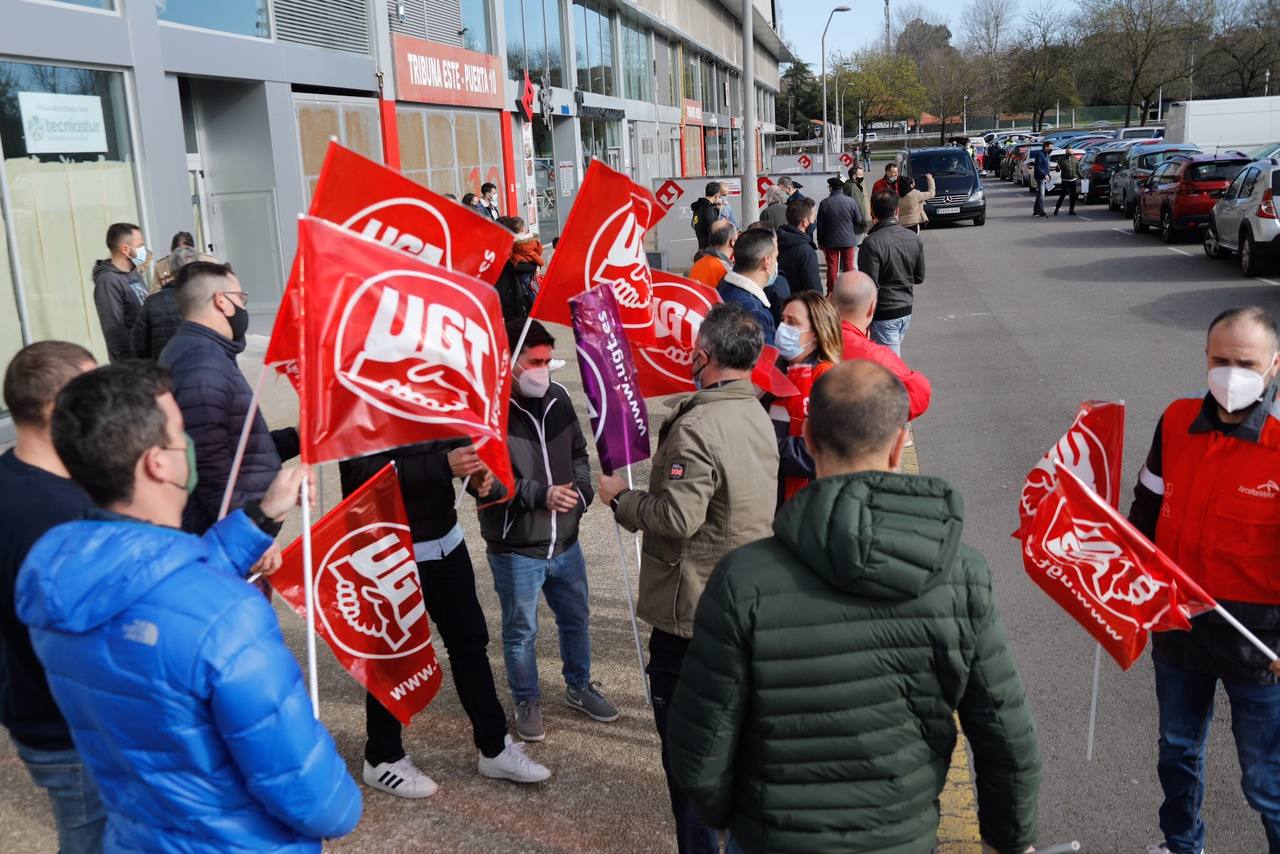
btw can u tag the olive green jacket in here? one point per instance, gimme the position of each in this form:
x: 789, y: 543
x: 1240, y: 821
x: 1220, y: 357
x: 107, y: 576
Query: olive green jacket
x: 816, y: 706
x: 713, y: 488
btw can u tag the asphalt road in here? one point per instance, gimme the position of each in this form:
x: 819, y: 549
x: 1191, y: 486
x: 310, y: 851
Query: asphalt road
x: 1018, y: 322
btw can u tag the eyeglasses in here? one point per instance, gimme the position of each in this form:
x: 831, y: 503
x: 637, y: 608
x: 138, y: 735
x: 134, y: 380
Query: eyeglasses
x: 243, y: 296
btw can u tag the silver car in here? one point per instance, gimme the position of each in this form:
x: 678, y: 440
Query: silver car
x: 1245, y: 220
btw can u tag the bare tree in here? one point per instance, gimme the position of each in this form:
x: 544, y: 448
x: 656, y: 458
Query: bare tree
x: 1246, y: 45
x: 1041, y: 66
x: 985, y: 28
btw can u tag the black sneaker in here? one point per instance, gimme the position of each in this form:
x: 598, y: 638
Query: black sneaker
x: 591, y: 703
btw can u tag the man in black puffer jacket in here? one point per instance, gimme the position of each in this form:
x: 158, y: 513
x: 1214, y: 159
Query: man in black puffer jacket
x: 893, y: 256
x: 159, y: 318
x: 214, y: 396
x: 797, y: 259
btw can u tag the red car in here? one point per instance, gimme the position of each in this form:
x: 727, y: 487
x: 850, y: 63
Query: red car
x: 1180, y: 194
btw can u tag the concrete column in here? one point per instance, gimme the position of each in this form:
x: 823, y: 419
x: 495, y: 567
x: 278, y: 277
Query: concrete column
x: 750, y: 193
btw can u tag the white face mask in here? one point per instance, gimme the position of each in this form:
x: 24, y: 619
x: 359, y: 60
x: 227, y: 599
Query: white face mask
x: 1236, y: 388
x: 787, y: 339
x: 534, y: 382
x: 139, y: 256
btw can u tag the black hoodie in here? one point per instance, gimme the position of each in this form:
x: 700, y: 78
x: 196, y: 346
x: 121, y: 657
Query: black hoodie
x: 118, y: 297
x: 798, y: 260
x: 704, y: 213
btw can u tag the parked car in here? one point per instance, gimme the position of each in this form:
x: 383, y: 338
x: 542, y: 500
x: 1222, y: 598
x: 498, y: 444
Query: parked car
x: 1245, y: 219
x: 1056, y: 158
x: 958, y: 187
x: 1180, y: 194
x: 1271, y: 149
x: 1141, y: 133
x: 1097, y: 167
x: 1138, y: 163
x: 1013, y: 163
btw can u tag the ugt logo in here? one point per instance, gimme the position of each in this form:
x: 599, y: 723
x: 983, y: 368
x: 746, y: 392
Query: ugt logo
x: 371, y: 577
x: 679, y: 313
x: 425, y: 362
x: 420, y: 229
x: 616, y: 258
x: 1080, y: 450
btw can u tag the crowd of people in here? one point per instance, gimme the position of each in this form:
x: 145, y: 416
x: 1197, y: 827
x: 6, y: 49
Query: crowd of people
x: 149, y: 691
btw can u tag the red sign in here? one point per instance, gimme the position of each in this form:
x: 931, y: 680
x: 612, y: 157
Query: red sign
x: 805, y: 161
x: 1103, y: 571
x: 691, y: 112
x: 763, y: 183
x: 394, y: 351
x: 668, y: 194
x: 1092, y: 448
x: 846, y: 158
x: 434, y: 73
x: 526, y: 97
x: 603, y: 244
x: 369, y: 603
x: 680, y: 306
x: 383, y: 205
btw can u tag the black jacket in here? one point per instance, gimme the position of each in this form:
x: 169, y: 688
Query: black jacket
x: 32, y: 501
x: 214, y: 398
x: 426, y: 484
x: 894, y: 257
x: 798, y: 260
x: 704, y: 213
x: 514, y: 294
x: 547, y: 448
x: 157, y: 322
x: 839, y: 221
x: 118, y: 297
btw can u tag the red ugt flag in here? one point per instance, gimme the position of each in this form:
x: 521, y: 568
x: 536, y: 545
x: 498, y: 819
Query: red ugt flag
x: 383, y: 205
x: 394, y: 351
x: 680, y: 306
x: 1103, y: 571
x: 603, y: 244
x: 369, y: 603
x: 1092, y: 447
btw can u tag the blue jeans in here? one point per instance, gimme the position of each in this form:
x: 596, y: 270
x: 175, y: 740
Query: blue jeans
x: 890, y: 332
x: 563, y: 580
x: 77, y: 810
x: 1185, y: 700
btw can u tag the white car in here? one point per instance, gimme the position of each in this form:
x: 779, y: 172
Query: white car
x: 1026, y: 168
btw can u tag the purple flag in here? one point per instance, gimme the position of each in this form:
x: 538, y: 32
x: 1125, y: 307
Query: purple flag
x: 618, y: 414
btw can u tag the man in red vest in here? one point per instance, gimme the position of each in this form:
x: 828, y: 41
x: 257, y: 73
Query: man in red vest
x: 854, y: 297
x: 1209, y: 496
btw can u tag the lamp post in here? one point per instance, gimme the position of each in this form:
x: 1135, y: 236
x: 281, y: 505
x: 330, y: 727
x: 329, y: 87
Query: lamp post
x: 964, y: 115
x: 826, y: 131
x: 1266, y: 86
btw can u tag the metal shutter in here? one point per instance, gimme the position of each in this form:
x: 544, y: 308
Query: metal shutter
x: 444, y: 19
x: 415, y: 18
x: 335, y: 24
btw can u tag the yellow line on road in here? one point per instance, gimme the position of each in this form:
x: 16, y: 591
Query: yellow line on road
x: 958, y: 806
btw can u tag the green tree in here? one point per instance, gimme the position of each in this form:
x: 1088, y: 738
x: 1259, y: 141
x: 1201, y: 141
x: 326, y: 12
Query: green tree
x: 799, y: 98
x: 887, y: 85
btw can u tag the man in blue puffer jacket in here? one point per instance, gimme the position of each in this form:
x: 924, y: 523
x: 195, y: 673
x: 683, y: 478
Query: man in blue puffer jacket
x: 170, y: 670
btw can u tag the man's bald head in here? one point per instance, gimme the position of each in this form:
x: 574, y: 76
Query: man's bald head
x: 853, y: 295
x: 857, y: 416
x: 723, y: 233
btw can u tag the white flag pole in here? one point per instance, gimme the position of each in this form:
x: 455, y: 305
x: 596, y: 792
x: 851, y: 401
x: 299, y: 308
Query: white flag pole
x: 1248, y: 635
x: 1093, y: 705
x: 515, y: 354
x: 631, y: 612
x: 308, y: 581
x: 631, y: 485
x: 244, y: 440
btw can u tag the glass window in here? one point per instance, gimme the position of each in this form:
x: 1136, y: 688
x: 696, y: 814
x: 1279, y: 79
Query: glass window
x: 514, y: 19
x: 475, y: 25
x: 319, y: 118
x: 554, y: 54
x: 534, y: 40
x: 92, y: 4
x: 594, y: 59
x: 668, y: 86
x: 65, y: 187
x: 605, y: 23
x: 243, y: 17
x: 1223, y: 170
x: 444, y: 178
x: 637, y: 64
x: 690, y: 78
x: 581, y: 50
x: 11, y: 338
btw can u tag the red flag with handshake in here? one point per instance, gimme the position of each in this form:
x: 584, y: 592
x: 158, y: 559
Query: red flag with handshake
x: 1103, y: 571
x: 1092, y: 448
x: 395, y: 351
x: 383, y: 205
x: 603, y: 244
x: 369, y: 602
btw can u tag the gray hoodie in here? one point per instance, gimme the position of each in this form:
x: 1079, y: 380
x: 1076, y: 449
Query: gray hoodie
x: 118, y: 297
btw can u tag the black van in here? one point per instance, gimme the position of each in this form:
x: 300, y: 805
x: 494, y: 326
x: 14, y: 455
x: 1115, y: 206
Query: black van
x: 959, y: 187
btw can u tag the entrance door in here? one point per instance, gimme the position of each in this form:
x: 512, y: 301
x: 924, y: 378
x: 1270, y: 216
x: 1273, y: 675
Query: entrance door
x: 544, y: 166
x: 247, y: 221
x: 199, y: 203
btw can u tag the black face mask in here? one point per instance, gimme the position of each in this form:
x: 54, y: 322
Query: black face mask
x: 239, y: 321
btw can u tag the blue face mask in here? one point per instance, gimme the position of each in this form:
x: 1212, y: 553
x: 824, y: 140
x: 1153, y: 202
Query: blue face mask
x: 787, y: 339
x: 773, y: 277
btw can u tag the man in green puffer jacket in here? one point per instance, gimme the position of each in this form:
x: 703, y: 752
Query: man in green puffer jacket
x: 815, y: 709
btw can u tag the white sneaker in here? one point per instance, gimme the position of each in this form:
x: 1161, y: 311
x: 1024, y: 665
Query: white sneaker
x: 512, y: 764
x: 399, y: 778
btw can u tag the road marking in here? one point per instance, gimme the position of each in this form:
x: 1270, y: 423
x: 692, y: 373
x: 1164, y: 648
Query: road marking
x: 958, y: 820
x: 1269, y: 282
x: 1121, y: 230
x: 1085, y: 218
x: 1179, y: 251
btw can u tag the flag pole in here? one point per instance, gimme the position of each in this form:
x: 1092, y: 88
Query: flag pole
x: 631, y: 612
x: 308, y: 581
x: 244, y: 440
x: 515, y: 354
x: 1093, y: 705
x: 1248, y: 635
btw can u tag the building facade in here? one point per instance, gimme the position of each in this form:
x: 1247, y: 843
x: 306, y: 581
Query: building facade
x: 213, y: 118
